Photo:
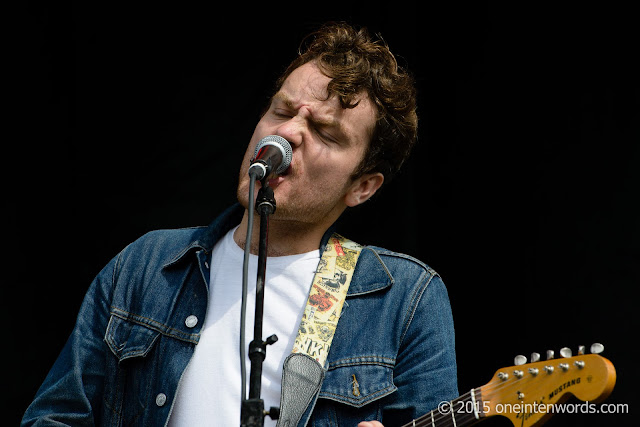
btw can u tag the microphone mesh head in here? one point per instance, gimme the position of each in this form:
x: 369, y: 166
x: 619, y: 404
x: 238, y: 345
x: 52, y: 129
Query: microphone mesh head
x: 282, y: 144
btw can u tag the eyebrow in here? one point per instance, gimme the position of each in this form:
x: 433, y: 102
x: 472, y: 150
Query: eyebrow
x: 284, y: 98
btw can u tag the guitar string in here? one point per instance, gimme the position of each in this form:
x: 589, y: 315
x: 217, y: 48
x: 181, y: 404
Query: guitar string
x: 439, y: 420
x: 436, y: 417
x: 447, y: 417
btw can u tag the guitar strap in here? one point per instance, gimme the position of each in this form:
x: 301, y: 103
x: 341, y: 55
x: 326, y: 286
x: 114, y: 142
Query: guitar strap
x: 326, y: 298
x: 303, y: 370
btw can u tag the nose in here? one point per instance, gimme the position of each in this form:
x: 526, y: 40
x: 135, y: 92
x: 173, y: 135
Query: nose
x: 292, y: 130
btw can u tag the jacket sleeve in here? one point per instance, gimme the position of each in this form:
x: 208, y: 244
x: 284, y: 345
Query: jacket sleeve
x: 425, y: 372
x: 71, y: 394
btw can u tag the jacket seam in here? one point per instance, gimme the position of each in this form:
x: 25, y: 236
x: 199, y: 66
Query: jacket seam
x: 389, y: 362
x: 411, y: 311
x: 359, y: 403
x: 116, y: 268
x: 154, y: 325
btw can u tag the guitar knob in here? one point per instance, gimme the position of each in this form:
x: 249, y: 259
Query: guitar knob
x: 535, y: 357
x: 581, y: 349
x: 520, y: 360
x: 550, y: 354
x: 597, y: 348
x: 565, y: 352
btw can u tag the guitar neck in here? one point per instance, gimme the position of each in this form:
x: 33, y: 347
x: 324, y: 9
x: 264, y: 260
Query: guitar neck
x: 461, y: 411
x: 523, y: 393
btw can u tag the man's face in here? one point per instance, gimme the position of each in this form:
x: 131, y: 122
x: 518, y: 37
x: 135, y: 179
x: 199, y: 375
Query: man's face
x: 328, y: 143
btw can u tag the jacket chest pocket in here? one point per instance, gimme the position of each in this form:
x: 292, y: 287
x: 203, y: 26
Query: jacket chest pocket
x: 128, y: 392
x: 352, y: 393
x: 128, y: 339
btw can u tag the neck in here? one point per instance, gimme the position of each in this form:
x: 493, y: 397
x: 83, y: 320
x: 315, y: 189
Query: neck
x: 461, y: 411
x: 285, y: 237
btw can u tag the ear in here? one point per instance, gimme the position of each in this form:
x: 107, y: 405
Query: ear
x: 363, y: 188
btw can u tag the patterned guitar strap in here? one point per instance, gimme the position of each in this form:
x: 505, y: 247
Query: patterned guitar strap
x: 303, y: 371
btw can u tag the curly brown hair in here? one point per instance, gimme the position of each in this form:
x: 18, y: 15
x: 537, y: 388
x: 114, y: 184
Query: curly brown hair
x: 357, y: 63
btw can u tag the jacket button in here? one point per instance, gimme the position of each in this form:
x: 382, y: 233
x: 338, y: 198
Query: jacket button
x: 191, y: 321
x: 161, y: 399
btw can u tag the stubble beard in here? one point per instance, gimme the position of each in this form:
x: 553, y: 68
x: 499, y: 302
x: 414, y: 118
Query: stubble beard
x: 293, y: 212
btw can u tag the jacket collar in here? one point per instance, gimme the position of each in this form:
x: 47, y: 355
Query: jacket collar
x: 371, y: 272
x: 206, y: 237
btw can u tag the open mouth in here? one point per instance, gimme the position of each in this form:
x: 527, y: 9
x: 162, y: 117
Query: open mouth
x: 276, y: 180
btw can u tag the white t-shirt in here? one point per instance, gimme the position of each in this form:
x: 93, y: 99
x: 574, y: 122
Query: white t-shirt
x: 209, y: 390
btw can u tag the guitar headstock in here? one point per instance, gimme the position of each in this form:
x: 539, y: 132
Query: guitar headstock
x: 526, y: 392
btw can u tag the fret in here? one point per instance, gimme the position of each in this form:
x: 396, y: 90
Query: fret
x: 480, y: 403
x: 453, y: 417
x: 475, y: 404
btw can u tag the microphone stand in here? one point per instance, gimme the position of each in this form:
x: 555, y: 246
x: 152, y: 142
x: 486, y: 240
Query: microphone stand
x: 252, y: 411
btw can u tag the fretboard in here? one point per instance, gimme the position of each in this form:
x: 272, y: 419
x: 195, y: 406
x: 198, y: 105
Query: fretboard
x: 462, y: 411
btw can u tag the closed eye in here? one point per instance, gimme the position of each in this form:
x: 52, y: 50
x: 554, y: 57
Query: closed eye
x: 282, y: 113
x: 327, y: 137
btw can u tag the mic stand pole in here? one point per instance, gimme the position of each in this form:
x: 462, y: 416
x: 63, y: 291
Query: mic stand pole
x: 252, y: 411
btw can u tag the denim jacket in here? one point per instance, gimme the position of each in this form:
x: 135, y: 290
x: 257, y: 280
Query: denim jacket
x: 392, y: 357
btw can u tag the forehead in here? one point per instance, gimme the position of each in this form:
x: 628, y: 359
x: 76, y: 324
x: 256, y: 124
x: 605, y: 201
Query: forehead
x: 306, y: 86
x: 305, y: 83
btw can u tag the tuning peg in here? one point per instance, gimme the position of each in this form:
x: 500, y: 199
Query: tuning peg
x: 535, y: 357
x: 580, y: 349
x: 550, y: 354
x: 520, y: 360
x: 565, y: 352
x: 597, y: 348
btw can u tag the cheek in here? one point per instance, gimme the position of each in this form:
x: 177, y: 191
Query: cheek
x: 334, y: 165
x: 246, y: 159
x: 327, y: 179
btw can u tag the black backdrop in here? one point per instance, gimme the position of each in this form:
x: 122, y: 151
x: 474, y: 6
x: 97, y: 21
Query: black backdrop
x: 522, y: 194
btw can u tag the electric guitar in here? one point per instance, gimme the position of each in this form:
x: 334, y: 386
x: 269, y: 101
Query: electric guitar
x: 529, y: 394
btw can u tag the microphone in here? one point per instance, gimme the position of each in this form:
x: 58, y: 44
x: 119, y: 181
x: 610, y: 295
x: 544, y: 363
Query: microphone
x: 272, y: 157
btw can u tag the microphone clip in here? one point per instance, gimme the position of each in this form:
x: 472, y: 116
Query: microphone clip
x: 265, y: 201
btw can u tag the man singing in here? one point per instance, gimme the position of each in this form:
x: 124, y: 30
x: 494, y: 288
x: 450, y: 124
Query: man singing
x: 156, y: 340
